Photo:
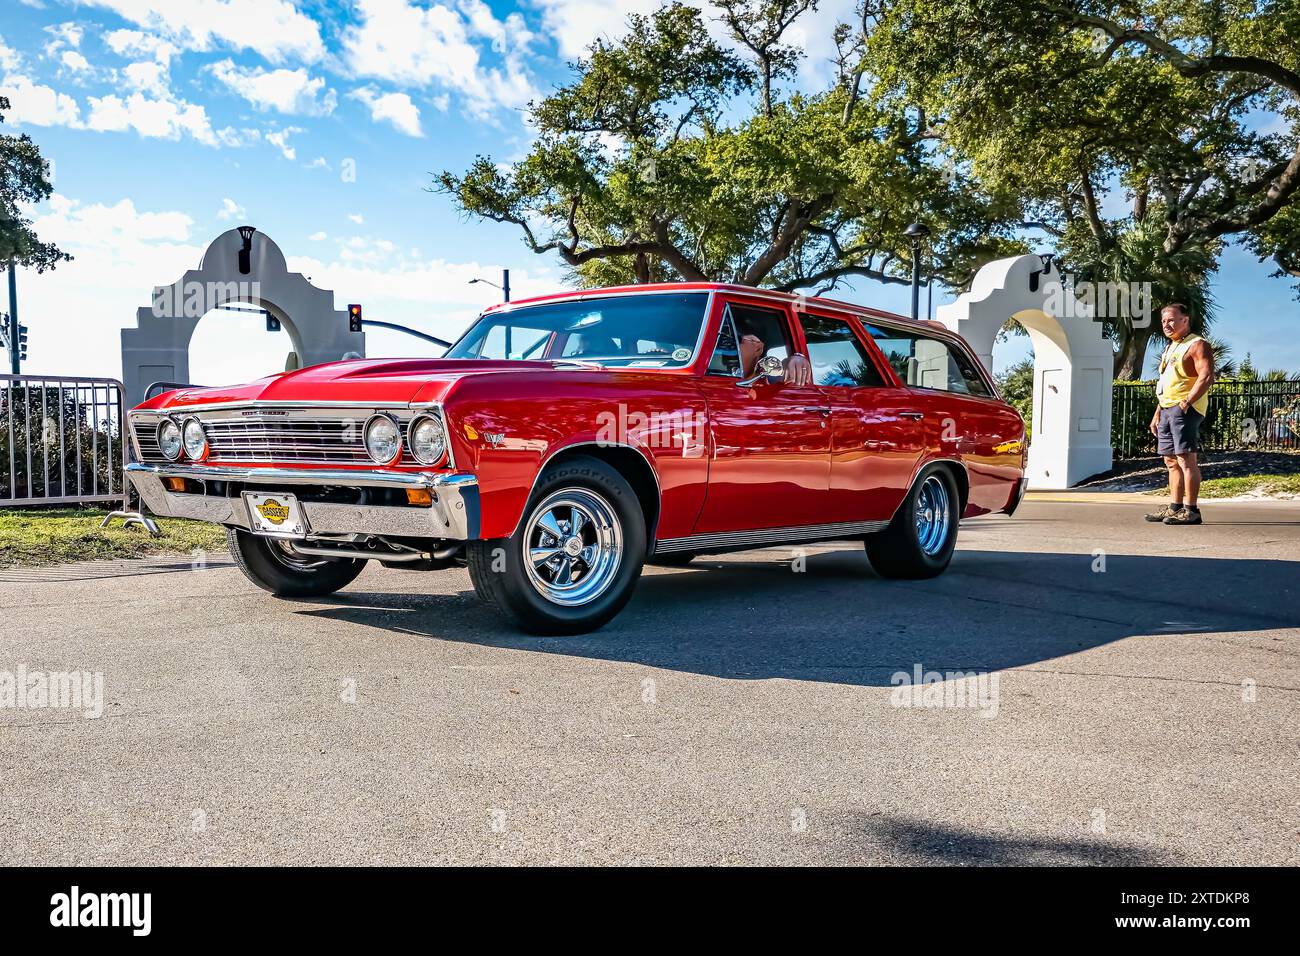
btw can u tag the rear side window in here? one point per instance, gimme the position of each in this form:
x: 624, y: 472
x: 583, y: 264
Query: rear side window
x: 924, y: 362
x: 837, y: 356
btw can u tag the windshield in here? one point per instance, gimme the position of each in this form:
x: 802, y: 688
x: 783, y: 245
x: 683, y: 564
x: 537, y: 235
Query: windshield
x: 653, y: 330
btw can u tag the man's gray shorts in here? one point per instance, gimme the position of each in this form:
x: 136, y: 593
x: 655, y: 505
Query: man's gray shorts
x: 1178, y: 432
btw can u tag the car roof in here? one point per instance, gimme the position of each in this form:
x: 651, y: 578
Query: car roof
x: 836, y: 305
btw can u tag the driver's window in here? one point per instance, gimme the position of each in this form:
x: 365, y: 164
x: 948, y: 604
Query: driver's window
x: 738, y: 321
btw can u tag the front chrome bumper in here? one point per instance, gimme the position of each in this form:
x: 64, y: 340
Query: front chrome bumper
x: 453, y: 515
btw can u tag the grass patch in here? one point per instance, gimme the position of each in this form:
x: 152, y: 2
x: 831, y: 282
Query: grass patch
x: 57, y: 535
x: 1271, y: 485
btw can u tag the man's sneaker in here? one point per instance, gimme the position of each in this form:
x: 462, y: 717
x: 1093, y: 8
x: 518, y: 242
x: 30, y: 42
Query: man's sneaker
x: 1184, y: 516
x: 1162, y: 514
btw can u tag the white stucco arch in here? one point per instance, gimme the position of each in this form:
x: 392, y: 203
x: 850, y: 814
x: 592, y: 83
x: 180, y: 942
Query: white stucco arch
x: 1073, y: 362
x: 158, y: 348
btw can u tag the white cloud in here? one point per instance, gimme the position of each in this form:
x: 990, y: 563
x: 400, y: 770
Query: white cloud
x: 414, y: 46
x: 395, y: 108
x: 280, y: 140
x: 75, y: 62
x: 286, y: 91
x: 10, y: 59
x: 317, y: 237
x: 276, y: 29
x: 130, y: 43
x: 148, y: 76
x: 234, y: 138
x: 317, y: 163
x: 152, y: 118
x: 76, y: 311
x: 37, y: 104
x: 63, y: 35
x: 231, y: 210
x: 575, y: 24
x: 357, y: 218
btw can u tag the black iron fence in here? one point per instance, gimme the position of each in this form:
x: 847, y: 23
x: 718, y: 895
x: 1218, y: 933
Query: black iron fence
x: 1264, y: 416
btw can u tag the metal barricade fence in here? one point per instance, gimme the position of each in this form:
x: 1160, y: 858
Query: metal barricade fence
x: 1242, y: 415
x: 62, y: 441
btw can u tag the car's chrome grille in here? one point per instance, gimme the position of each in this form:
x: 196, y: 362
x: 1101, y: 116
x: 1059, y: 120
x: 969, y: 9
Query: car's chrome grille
x: 258, y: 438
x: 305, y: 436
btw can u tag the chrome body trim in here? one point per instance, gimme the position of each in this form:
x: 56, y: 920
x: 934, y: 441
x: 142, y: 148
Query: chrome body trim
x: 310, y: 411
x: 659, y: 492
x: 453, y: 515
x: 265, y: 403
x: 766, y: 536
x: 361, y: 553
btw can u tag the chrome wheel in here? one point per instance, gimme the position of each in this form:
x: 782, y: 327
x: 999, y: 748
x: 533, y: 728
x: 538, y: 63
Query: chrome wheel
x: 933, y: 515
x: 573, y: 547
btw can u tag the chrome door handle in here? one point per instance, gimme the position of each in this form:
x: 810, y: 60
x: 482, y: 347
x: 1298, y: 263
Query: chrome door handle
x: 917, y: 416
x: 822, y: 410
x: 874, y: 445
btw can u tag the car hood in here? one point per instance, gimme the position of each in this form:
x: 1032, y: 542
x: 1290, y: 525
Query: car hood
x: 364, y: 381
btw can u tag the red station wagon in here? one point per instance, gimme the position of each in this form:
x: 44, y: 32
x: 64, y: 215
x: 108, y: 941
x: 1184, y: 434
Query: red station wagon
x: 565, y: 441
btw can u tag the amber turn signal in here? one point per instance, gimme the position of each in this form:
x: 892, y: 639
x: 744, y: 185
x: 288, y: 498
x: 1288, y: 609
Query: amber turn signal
x: 175, y: 484
x: 419, y: 496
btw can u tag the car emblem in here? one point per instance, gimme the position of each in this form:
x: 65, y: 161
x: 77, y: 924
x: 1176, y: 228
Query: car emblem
x: 495, y: 439
x: 273, y: 512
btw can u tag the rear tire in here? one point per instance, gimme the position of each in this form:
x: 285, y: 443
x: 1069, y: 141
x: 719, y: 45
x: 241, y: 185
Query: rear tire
x: 267, y: 564
x: 920, y: 540
x: 574, y: 560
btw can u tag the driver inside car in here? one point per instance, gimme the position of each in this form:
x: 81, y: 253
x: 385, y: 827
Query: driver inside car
x: 796, y: 369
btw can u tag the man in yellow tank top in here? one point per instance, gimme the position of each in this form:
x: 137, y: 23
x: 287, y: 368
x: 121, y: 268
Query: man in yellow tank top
x: 1182, y: 397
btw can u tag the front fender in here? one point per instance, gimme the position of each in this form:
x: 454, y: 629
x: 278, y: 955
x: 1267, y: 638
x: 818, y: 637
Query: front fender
x: 507, y: 438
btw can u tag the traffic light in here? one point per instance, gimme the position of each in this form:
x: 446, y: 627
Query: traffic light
x: 22, y: 343
x: 354, y: 317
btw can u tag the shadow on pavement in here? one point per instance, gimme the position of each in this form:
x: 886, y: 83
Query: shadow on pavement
x: 836, y: 621
x: 938, y: 844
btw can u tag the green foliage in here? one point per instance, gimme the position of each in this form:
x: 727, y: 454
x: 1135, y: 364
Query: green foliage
x: 1016, y: 383
x: 24, y: 179
x: 1157, y: 103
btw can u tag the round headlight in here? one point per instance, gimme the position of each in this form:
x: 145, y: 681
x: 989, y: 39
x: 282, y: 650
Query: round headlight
x: 383, y: 439
x: 196, y: 442
x: 426, y: 440
x: 169, y: 439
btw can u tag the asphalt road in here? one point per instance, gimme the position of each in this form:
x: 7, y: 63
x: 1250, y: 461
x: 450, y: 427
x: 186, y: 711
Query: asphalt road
x: 739, y: 711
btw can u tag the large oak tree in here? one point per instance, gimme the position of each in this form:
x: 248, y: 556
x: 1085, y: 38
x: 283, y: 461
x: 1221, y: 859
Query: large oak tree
x: 672, y: 157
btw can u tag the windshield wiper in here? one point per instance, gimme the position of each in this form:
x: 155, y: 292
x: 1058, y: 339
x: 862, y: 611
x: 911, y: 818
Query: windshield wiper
x: 575, y: 363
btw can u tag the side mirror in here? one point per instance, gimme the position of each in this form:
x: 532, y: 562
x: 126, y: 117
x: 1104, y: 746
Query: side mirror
x: 768, y: 366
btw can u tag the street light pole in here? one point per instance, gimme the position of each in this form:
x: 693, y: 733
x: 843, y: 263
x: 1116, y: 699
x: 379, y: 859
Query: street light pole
x: 14, y: 360
x: 916, y: 232
x: 504, y: 286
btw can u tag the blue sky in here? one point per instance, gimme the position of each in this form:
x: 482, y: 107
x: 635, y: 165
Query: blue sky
x: 171, y: 121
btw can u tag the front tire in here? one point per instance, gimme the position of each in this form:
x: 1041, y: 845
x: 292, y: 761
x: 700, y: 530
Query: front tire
x: 920, y: 540
x: 268, y: 564
x: 575, y: 558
